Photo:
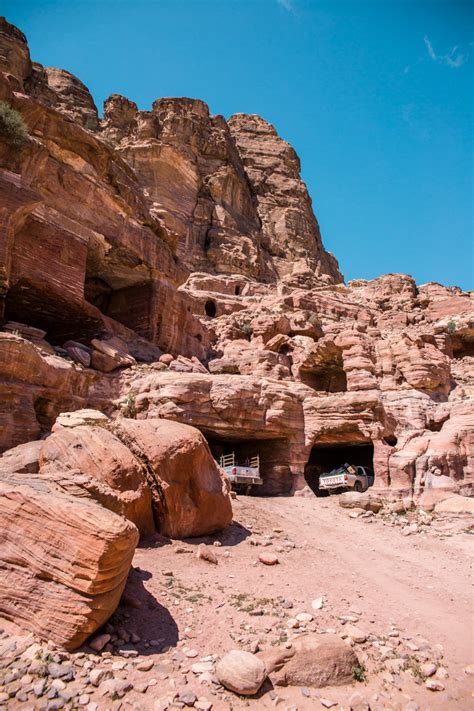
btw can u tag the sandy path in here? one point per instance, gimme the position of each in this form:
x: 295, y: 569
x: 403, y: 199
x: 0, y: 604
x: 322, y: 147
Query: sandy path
x: 420, y: 584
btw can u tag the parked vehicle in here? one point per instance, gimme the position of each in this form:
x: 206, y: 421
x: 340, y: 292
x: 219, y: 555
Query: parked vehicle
x: 349, y: 476
x: 242, y: 475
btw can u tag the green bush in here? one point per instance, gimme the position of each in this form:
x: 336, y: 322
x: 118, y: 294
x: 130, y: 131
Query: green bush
x: 451, y: 327
x: 12, y: 127
x: 246, y: 328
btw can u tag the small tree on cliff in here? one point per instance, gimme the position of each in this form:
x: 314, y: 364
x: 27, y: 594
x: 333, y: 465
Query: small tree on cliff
x: 12, y: 127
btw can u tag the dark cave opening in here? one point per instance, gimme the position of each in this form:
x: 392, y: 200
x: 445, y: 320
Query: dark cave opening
x: 272, y: 453
x: 210, y: 308
x: 325, y: 458
x: 330, y: 379
x: 49, y: 311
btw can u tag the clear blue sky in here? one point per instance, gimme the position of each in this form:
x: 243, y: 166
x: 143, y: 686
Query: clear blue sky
x: 376, y: 97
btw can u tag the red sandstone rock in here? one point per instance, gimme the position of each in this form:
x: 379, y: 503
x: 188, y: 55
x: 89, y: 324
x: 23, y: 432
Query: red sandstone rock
x: 112, y: 474
x: 190, y: 495
x: 313, y: 660
x: 64, y: 560
x: 123, y: 212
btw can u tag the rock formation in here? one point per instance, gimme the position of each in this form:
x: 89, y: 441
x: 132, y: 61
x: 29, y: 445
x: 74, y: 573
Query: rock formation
x: 168, y: 264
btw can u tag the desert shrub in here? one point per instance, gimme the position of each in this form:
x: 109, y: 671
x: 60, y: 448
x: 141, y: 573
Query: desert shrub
x: 451, y: 327
x: 359, y: 672
x: 246, y: 328
x: 12, y: 127
x: 129, y: 407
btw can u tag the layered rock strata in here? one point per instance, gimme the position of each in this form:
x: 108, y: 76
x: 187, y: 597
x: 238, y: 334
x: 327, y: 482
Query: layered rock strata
x: 167, y: 263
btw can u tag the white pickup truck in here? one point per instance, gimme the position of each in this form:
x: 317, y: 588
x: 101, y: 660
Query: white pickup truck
x: 243, y: 475
x: 348, y: 476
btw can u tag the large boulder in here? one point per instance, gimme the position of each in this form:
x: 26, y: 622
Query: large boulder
x: 358, y: 500
x: 190, y: 493
x: 23, y: 458
x: 64, y: 561
x: 456, y: 505
x: 93, y: 459
x: 313, y: 660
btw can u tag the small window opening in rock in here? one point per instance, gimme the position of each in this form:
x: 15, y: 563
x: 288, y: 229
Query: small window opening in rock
x: 210, y: 308
x: 237, y: 290
x: 436, y: 425
x: 285, y: 349
x: 391, y: 440
x: 325, y: 458
x: 198, y: 337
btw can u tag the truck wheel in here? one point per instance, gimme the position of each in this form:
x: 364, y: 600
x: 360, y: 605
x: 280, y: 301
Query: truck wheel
x: 358, y: 486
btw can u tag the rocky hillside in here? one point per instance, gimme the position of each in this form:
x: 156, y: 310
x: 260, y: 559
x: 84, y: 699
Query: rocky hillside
x: 165, y: 298
x: 171, y: 258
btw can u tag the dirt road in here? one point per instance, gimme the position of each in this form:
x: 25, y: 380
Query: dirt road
x: 410, y: 595
x: 419, y: 586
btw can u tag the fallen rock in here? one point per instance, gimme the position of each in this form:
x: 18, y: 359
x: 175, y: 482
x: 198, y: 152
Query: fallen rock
x: 205, y: 553
x: 317, y: 604
x: 268, y: 558
x: 355, y: 633
x: 456, y: 504
x: 99, y: 642
x: 357, y: 500
x: 64, y: 560
x: 313, y: 660
x: 108, y: 355
x: 112, y: 474
x: 78, y: 352
x: 190, y: 495
x: 241, y: 672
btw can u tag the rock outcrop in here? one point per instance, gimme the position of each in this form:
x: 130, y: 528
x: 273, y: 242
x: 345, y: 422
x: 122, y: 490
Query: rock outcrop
x: 64, y: 561
x: 190, y: 494
x: 167, y: 263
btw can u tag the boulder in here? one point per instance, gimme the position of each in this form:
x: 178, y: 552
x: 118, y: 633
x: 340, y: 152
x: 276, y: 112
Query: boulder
x: 24, y: 458
x: 241, y: 672
x: 456, y: 505
x: 64, y: 561
x: 78, y: 352
x: 357, y: 500
x: 107, y: 355
x: 112, y: 474
x: 80, y: 417
x: 313, y: 660
x: 190, y: 493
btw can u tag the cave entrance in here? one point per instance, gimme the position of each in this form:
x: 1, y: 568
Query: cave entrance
x: 463, y: 349
x: 49, y: 311
x: 325, y: 457
x: 330, y: 380
x: 326, y: 372
x: 273, y: 458
x: 118, y: 284
x: 210, y: 308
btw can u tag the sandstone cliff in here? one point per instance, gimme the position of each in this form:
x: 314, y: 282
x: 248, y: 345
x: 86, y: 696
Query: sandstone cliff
x: 169, y: 262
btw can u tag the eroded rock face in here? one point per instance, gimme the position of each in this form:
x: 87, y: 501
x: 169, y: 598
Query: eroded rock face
x: 290, y: 231
x: 63, y: 561
x: 266, y: 350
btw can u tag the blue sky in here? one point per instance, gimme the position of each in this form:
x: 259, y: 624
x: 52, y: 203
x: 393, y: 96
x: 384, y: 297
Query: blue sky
x: 376, y: 97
